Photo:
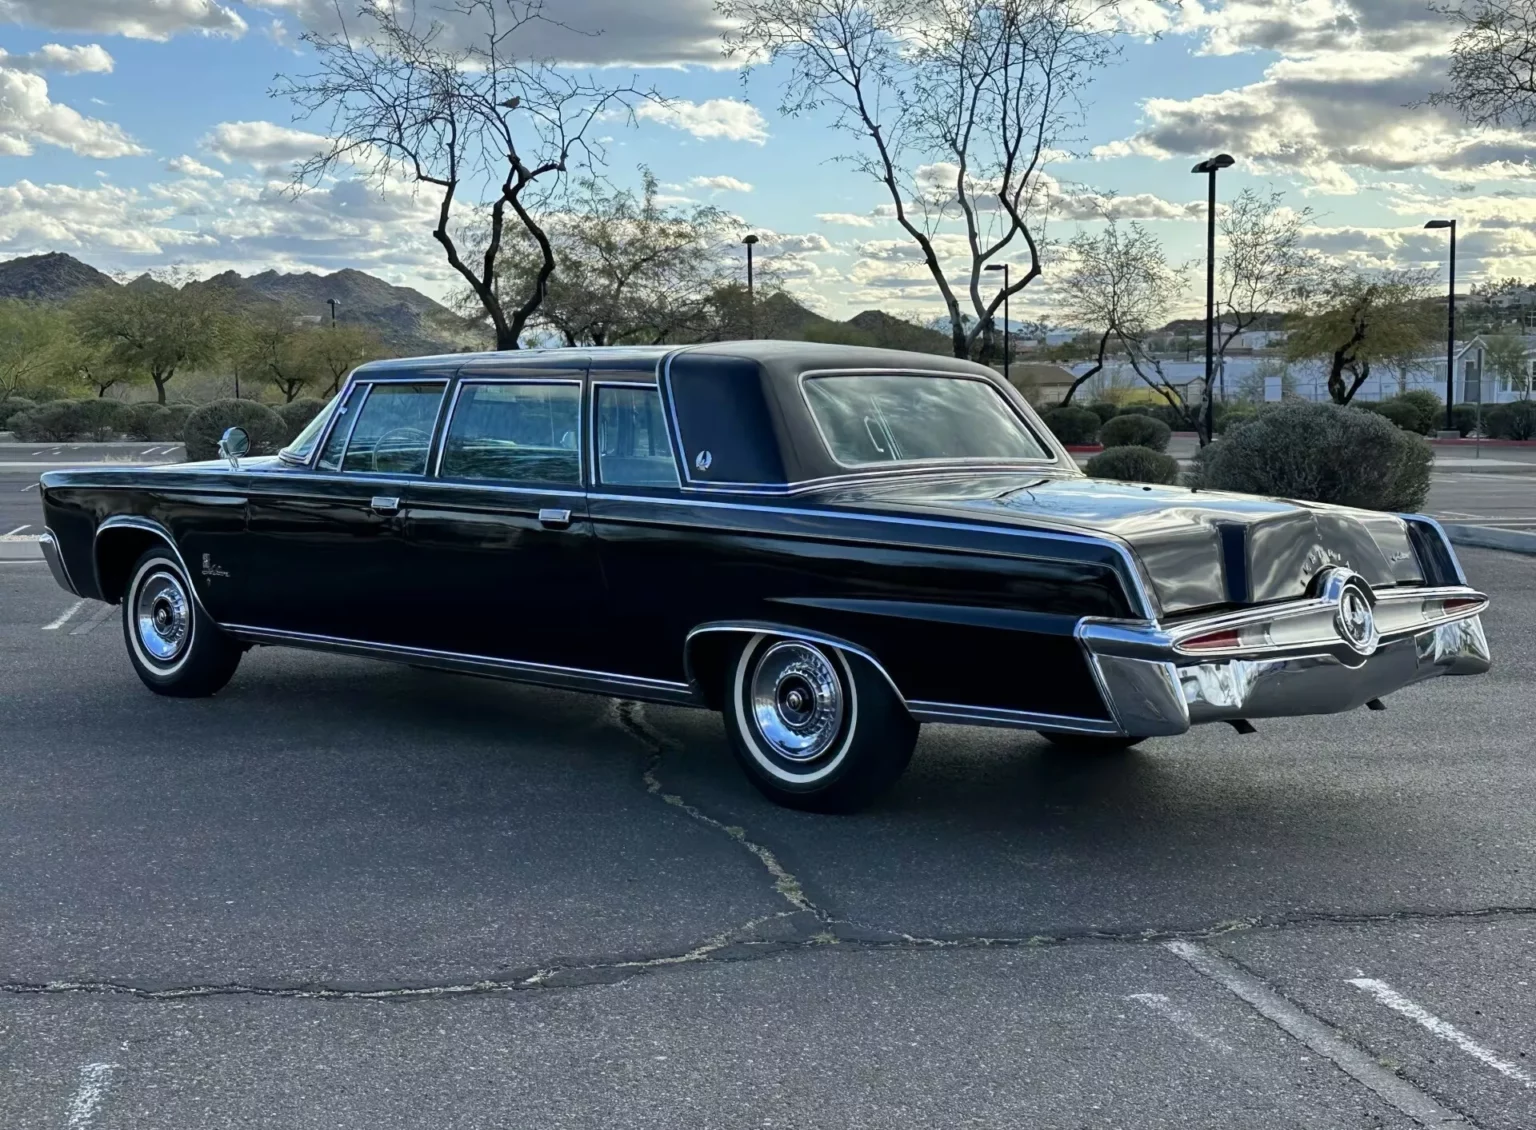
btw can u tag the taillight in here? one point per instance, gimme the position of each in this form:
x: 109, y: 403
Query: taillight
x: 1213, y: 641
x: 1457, y: 603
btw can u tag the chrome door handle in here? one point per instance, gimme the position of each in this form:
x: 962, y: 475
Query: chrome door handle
x: 382, y: 504
x: 555, y: 519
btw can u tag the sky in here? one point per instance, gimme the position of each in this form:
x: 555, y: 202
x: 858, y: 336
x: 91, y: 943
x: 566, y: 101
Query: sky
x: 141, y: 134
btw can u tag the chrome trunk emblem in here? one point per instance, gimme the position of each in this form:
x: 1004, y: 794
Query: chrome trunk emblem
x: 1355, y: 619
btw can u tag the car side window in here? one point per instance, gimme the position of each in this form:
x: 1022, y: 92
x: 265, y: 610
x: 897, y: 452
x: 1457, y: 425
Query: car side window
x: 393, y: 429
x: 515, y: 432
x: 633, y: 448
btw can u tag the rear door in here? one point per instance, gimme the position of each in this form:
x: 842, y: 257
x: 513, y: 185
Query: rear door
x: 502, y: 525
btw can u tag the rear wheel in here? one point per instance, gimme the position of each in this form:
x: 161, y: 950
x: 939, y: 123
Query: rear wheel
x: 814, y: 727
x: 1094, y: 744
x: 174, y: 646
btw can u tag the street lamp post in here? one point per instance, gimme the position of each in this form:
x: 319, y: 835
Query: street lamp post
x: 1210, y: 166
x: 1004, y: 268
x: 1450, y: 329
x: 332, y: 302
x: 749, y: 239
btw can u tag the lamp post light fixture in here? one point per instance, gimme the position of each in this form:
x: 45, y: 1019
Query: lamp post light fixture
x: 332, y: 303
x: 1210, y: 166
x: 1004, y: 268
x: 749, y: 239
x: 1450, y: 329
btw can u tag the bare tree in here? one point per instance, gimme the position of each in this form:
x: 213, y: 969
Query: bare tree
x: 1356, y: 320
x: 404, y: 101
x: 957, y: 104
x: 1262, y: 266
x: 1493, y: 62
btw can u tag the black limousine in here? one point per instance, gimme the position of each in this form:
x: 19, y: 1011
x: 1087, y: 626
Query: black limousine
x: 830, y: 545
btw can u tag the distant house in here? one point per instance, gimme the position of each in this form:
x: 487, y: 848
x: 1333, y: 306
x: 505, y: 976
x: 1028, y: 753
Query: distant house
x: 1041, y: 382
x: 1476, y: 382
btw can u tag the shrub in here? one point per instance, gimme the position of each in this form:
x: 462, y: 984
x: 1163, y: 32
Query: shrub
x: 1104, y: 410
x: 1320, y: 453
x: 1135, y: 410
x: 1468, y: 417
x: 1431, y: 409
x: 168, y: 422
x: 1134, y: 465
x: 297, y: 415
x: 205, y: 425
x: 54, y: 422
x: 1405, y: 416
x: 136, y: 419
x: 1515, y: 420
x: 1233, y: 414
x: 11, y: 407
x: 1136, y: 431
x: 101, y: 419
x: 1073, y: 425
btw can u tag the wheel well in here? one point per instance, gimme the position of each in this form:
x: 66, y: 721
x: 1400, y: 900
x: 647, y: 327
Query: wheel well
x: 709, y: 655
x: 116, y: 551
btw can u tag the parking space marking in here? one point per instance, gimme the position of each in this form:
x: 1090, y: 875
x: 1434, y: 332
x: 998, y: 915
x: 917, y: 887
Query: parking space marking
x: 1159, y: 1003
x: 1391, y: 1088
x: 64, y: 616
x: 96, y: 618
x: 30, y: 486
x: 13, y: 533
x: 1447, y: 1031
x: 95, y: 1078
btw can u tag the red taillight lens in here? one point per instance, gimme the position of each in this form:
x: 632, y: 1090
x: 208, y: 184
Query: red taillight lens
x: 1457, y: 603
x: 1212, y: 641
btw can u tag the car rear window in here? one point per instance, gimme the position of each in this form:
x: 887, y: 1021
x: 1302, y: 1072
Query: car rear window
x: 873, y: 418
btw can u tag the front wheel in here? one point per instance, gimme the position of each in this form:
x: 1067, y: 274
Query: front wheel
x: 814, y: 727
x: 175, y: 647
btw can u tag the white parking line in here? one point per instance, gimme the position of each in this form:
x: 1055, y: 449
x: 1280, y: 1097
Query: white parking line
x: 1392, y: 1088
x: 30, y: 486
x: 1182, y: 1020
x: 95, y: 1078
x: 17, y: 530
x: 1447, y: 1031
x: 64, y: 616
x: 96, y: 618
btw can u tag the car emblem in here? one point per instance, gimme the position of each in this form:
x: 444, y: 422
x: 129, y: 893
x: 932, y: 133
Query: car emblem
x: 1356, y: 619
x: 702, y: 460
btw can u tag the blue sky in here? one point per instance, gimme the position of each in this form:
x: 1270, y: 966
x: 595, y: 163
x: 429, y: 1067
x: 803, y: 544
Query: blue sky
x: 139, y: 134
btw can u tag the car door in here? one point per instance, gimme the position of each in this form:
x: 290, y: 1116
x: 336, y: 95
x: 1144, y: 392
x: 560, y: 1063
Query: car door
x: 502, y: 526
x: 327, y: 550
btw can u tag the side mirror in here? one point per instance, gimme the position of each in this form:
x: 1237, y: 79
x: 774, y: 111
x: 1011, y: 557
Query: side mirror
x: 233, y: 444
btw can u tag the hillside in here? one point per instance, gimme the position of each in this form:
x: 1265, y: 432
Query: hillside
x: 53, y: 277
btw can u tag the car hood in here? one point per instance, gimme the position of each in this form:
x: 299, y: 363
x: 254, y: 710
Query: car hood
x: 1197, y: 548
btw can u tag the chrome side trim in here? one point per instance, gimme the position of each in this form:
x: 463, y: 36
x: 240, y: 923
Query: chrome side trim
x: 1138, y: 590
x: 767, y: 627
x: 53, y: 553
x: 1012, y: 719
x: 453, y: 408
x: 148, y: 525
x: 515, y: 670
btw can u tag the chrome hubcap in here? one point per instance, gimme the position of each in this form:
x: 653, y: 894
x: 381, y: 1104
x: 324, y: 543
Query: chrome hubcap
x: 163, y: 617
x: 797, y: 700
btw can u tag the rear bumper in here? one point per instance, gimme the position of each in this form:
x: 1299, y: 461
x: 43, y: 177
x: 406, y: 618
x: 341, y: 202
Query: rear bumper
x: 1154, y: 686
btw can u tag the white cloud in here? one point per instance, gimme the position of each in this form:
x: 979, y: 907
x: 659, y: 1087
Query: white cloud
x: 720, y: 184
x: 90, y: 59
x: 718, y: 118
x: 189, y: 166
x: 136, y: 19
x: 265, y: 145
x: 28, y: 115
x: 847, y: 219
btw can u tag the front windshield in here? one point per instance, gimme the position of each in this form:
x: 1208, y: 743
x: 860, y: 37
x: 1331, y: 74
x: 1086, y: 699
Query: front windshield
x: 895, y: 418
x: 303, y: 444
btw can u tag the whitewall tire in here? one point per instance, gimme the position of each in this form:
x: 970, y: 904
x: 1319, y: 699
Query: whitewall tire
x: 175, y: 648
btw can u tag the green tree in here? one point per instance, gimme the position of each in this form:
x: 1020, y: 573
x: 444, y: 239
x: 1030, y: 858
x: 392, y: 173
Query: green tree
x: 153, y: 327
x: 274, y: 343
x: 1505, y: 357
x: 1354, y: 321
x: 33, y: 341
x: 341, y: 348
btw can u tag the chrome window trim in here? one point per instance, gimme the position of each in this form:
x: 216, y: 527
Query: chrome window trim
x: 436, y: 472
x: 1048, y: 457
x: 358, y: 376
x: 148, y: 525
x: 1139, y: 592
x: 342, y: 410
x: 572, y: 678
x: 437, y: 423
x: 597, y: 457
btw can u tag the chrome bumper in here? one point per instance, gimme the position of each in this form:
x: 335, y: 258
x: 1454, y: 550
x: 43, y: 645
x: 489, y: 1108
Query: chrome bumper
x: 1154, y: 685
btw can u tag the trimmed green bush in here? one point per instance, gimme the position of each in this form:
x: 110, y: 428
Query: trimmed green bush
x: 1134, y: 465
x: 1404, y: 415
x: 1073, y: 425
x: 1104, y: 410
x: 1468, y: 416
x: 205, y: 425
x: 1233, y: 414
x: 1136, y: 431
x: 11, y: 407
x: 1135, y: 410
x: 136, y: 419
x: 1320, y: 453
x: 55, y: 422
x: 1515, y: 420
x: 101, y: 419
x: 1431, y: 409
x: 168, y: 422
x: 297, y: 415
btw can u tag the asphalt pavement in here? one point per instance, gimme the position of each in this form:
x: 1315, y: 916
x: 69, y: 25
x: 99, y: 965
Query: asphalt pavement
x: 348, y: 894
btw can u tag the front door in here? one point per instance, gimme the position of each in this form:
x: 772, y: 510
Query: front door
x: 327, y: 551
x: 502, y: 527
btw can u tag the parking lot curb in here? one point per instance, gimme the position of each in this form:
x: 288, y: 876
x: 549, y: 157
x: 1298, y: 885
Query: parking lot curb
x: 1490, y: 537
